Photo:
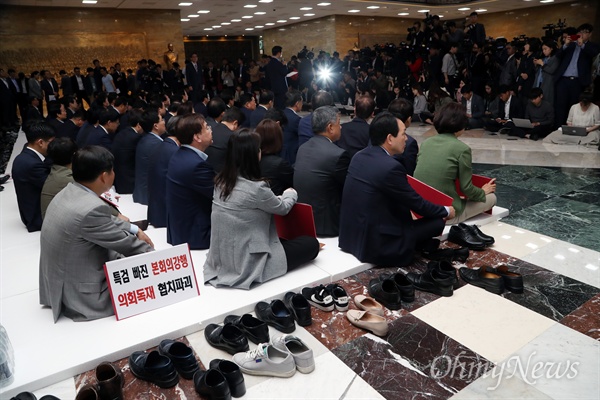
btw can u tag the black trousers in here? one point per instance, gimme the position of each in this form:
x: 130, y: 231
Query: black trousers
x: 426, y: 228
x: 300, y: 250
x: 567, y: 93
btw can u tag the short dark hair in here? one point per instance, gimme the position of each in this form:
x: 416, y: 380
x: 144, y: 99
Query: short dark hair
x: 107, y: 116
x: 36, y: 129
x: 241, y: 159
x: 266, y: 97
x: 172, y: 125
x: 188, y: 126
x: 234, y: 114
x: 203, y: 94
x: 271, y: 136
x: 53, y: 109
x: 276, y: 49
x: 245, y: 99
x: 185, y: 108
x: 585, y: 27
x: 277, y: 116
x: 451, y: 118
x: 466, y: 89
x: 365, y: 105
x: 90, y: 162
x: 150, y: 118
x: 292, y: 97
x: 401, y: 109
x: 383, y: 124
x: 321, y: 98
x: 535, y: 93
x: 119, y: 101
x: 226, y: 95
x: 61, y: 150
x: 586, y: 97
x: 215, y: 107
x: 135, y: 118
x: 503, y: 89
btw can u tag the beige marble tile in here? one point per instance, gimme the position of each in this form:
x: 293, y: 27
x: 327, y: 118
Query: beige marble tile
x: 514, y: 241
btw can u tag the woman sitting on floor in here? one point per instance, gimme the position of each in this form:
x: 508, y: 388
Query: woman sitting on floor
x: 584, y: 114
x: 443, y: 159
x: 244, y: 247
x: 278, y: 172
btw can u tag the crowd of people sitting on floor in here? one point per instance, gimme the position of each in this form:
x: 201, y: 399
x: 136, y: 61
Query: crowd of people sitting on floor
x: 213, y: 167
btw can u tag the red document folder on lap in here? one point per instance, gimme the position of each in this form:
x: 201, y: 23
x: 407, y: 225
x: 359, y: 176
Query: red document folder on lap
x: 428, y: 193
x: 477, y: 180
x: 298, y: 222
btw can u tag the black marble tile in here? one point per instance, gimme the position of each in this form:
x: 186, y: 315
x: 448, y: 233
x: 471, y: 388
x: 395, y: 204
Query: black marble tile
x: 513, y: 174
x: 416, y: 361
x: 556, y: 183
x: 515, y: 198
x: 481, y: 169
x: 587, y: 194
x: 568, y: 220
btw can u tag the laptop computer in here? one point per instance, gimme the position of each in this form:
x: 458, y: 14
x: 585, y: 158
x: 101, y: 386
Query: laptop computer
x: 522, y: 123
x: 574, y: 130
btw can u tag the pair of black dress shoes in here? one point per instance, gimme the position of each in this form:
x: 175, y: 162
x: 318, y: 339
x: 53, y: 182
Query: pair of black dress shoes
x: 222, y: 381
x: 470, y: 236
x: 282, y: 314
x: 440, y: 278
x: 494, y: 280
x: 163, y: 367
x: 391, y: 289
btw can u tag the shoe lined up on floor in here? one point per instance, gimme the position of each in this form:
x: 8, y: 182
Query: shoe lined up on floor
x: 299, y: 307
x: 275, y: 314
x: 31, y: 396
x: 301, y: 353
x: 385, y: 292
x: 266, y: 360
x: 108, y: 386
x: 405, y: 287
x: 228, y: 337
x: 461, y: 254
x: 212, y: 385
x: 255, y: 330
x: 233, y: 375
x: 368, y: 321
x: 181, y: 355
x: 319, y: 297
x: 491, y: 282
x: 469, y: 236
x: 339, y: 296
x: 365, y: 303
x: 513, y: 281
x: 433, y: 281
x: 153, y: 367
x: 445, y: 268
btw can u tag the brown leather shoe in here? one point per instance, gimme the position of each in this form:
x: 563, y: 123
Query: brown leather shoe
x: 88, y: 392
x: 110, y: 381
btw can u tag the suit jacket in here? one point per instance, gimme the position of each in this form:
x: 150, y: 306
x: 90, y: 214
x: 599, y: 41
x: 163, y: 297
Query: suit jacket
x: 33, y: 113
x: 584, y: 62
x: 278, y: 172
x: 200, y: 108
x: 319, y: 175
x: 35, y: 88
x: 244, y: 247
x: 49, y: 87
x: 508, y: 74
x: 194, y: 78
x: 144, y: 156
x: 75, y: 84
x: 124, y: 149
x: 157, y: 183
x: 190, y: 185
x: 477, y: 106
x: 290, y: 136
x: 78, y: 237
x: 257, y: 115
x: 65, y: 85
x: 355, y: 136
x: 59, y: 127
x: 516, y: 109
x: 409, y: 157
x: 58, y: 179
x: 29, y: 173
x: 375, y: 221
x: 275, y: 74
x: 217, y: 150
x: 305, y: 131
x: 88, y: 83
x: 247, y: 114
x: 70, y: 130
x: 98, y: 137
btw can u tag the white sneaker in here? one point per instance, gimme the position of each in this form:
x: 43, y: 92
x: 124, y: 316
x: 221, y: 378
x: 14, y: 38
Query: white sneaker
x: 266, y: 360
x: 303, y: 356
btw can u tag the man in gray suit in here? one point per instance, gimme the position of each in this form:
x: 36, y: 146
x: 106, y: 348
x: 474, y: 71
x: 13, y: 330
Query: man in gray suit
x: 79, y: 235
x: 320, y: 171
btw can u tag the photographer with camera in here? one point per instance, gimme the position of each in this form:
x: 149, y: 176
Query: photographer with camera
x: 416, y: 36
x: 474, y: 31
x: 450, y: 69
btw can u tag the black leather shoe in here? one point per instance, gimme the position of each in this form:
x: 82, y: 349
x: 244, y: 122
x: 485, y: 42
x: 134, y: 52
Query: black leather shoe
x: 299, y: 307
x: 232, y: 373
x: 110, y: 381
x: 254, y: 329
x: 462, y: 235
x: 154, y: 368
x: 432, y: 281
x: 87, y: 392
x: 4, y: 179
x: 446, y: 269
x: 487, y: 239
x: 407, y: 290
x: 229, y: 338
x: 513, y: 281
x: 491, y: 282
x: 461, y: 254
x: 386, y: 292
x: 276, y: 314
x: 182, y: 357
x: 24, y: 396
x: 212, y: 385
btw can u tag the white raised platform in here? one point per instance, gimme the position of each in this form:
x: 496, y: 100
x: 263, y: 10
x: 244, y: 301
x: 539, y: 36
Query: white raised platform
x: 47, y: 353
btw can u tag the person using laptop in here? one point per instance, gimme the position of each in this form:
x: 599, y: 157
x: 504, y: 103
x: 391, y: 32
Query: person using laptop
x: 539, y: 117
x: 583, y: 114
x: 508, y: 107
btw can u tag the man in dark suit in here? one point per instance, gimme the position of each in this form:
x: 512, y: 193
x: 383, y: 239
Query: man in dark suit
x: 8, y: 103
x: 247, y: 106
x: 56, y: 118
x: 157, y: 176
x: 473, y: 105
x: 376, y: 225
x: 293, y: 105
x: 108, y: 122
x: 89, y: 83
x: 403, y: 110
x: 33, y: 111
x: 211, y: 79
x: 319, y: 99
x: 29, y: 172
x: 193, y: 76
x: 124, y: 149
x: 215, y: 109
x: 78, y: 85
x: 320, y: 171
x: 190, y: 185
x: 508, y: 107
x: 265, y: 103
x: 232, y: 119
x: 355, y: 134
x: 275, y: 75
x: 73, y: 124
x: 50, y: 87
x: 574, y: 73
x: 200, y: 106
x: 154, y: 126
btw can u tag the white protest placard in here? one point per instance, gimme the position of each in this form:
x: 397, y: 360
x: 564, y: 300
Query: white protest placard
x: 151, y: 280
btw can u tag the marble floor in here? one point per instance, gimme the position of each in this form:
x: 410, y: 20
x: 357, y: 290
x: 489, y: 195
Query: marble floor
x: 542, y: 344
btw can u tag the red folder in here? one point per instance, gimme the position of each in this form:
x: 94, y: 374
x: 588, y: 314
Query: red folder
x: 428, y: 193
x: 478, y: 181
x: 298, y: 222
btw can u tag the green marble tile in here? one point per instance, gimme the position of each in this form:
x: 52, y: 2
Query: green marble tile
x: 588, y: 194
x: 515, y: 198
x: 557, y: 183
x: 569, y: 220
x: 512, y: 174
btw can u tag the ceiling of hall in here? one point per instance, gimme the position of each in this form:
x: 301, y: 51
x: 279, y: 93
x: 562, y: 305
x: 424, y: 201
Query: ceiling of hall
x: 251, y: 17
